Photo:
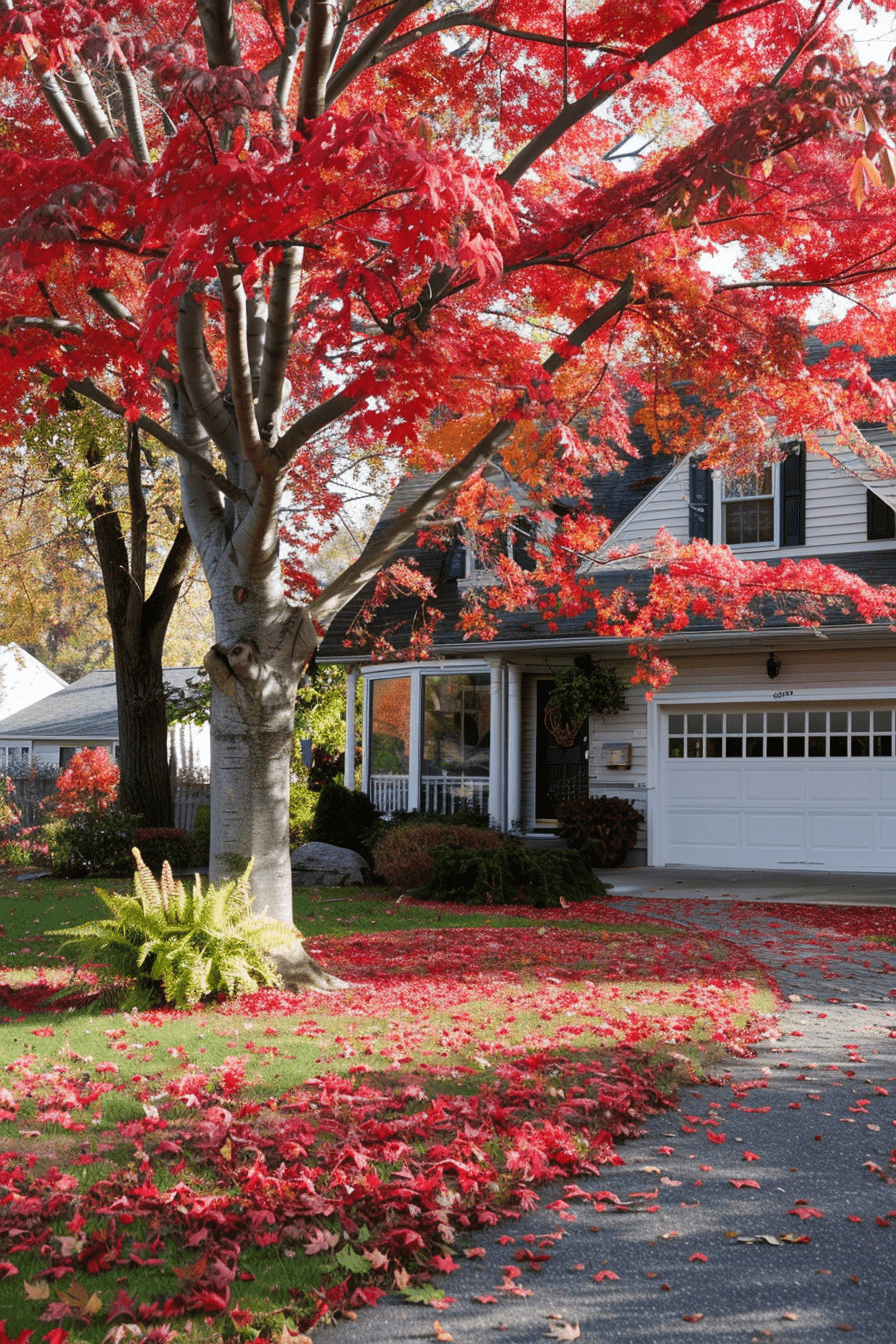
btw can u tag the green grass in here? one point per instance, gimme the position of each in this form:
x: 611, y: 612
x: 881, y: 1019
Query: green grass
x: 448, y: 1047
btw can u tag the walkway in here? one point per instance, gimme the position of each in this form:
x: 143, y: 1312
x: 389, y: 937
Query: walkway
x: 763, y: 1208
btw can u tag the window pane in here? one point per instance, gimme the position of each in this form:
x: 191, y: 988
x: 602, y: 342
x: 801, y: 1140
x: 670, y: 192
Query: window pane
x: 754, y: 746
x: 817, y: 746
x: 456, y: 725
x: 818, y: 721
x: 796, y: 723
x: 390, y: 725
x: 714, y: 746
x: 676, y: 747
x: 839, y: 746
x: 734, y: 746
x: 755, y: 723
x: 861, y: 720
x: 796, y: 746
x: 839, y: 719
x: 883, y: 720
x: 734, y: 723
x: 713, y: 723
x: 774, y: 746
x: 676, y: 723
x: 695, y: 746
x: 695, y: 723
x: 883, y: 745
x: 775, y: 723
x: 860, y: 744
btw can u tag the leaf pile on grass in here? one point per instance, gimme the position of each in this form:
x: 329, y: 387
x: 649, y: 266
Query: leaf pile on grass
x: 249, y: 1197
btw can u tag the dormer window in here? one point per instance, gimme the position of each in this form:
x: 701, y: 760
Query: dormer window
x: 748, y: 508
x: 471, y: 562
x: 760, y: 508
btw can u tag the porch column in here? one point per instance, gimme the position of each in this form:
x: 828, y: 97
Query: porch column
x: 351, y: 690
x: 497, y: 738
x: 514, y: 745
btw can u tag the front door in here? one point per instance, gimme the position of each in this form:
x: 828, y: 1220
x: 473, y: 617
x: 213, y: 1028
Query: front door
x: 561, y: 772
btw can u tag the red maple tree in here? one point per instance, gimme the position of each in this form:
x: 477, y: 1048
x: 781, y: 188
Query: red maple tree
x: 297, y: 239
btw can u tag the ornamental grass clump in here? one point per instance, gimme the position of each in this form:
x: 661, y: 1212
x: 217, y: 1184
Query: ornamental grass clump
x: 179, y: 946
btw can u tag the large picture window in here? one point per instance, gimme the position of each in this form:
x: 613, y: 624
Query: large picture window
x: 456, y: 714
x: 390, y: 725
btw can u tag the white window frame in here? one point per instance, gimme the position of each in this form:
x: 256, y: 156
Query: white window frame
x: 720, y: 501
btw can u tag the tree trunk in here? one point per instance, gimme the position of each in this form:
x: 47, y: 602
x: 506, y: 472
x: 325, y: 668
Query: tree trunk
x: 254, y: 667
x: 145, y: 785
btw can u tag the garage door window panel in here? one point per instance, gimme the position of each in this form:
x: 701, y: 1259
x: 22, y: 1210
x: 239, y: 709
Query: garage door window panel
x: 775, y: 735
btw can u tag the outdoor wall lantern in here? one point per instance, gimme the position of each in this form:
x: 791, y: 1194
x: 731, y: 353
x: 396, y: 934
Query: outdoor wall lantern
x: 773, y: 666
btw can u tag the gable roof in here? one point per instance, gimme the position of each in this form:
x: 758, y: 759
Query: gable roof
x: 84, y: 711
x: 24, y: 679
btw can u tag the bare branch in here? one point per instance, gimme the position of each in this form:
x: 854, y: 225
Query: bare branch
x: 219, y: 32
x: 90, y: 109
x: 200, y: 382
x: 233, y: 297
x: 133, y: 116
x: 278, y: 337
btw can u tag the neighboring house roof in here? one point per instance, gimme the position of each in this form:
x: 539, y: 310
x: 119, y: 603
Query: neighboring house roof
x: 84, y: 711
x: 23, y: 680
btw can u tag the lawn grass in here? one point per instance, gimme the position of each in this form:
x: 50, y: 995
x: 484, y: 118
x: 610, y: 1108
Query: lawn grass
x: 157, y: 1136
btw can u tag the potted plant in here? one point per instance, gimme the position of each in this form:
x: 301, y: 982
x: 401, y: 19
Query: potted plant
x: 580, y: 691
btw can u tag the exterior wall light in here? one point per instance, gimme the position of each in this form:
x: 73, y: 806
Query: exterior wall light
x: 773, y: 666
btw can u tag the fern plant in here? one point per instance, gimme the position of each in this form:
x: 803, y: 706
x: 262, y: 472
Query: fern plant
x: 181, y: 945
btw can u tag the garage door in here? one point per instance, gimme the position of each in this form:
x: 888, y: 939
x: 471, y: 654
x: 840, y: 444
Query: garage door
x: 756, y: 788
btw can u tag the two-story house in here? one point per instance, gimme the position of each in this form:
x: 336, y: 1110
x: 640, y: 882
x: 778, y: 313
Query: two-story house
x: 770, y: 748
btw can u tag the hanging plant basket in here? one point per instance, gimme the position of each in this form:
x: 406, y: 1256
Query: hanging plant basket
x: 577, y: 693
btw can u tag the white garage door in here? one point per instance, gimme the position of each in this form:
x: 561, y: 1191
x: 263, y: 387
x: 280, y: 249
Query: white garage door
x: 803, y: 787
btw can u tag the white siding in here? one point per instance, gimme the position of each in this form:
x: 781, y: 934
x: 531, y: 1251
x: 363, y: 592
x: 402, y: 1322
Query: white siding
x: 836, y: 514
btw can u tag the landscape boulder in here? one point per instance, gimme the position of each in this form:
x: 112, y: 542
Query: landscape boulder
x: 319, y: 865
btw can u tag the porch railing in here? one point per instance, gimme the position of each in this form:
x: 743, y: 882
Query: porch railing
x: 439, y: 793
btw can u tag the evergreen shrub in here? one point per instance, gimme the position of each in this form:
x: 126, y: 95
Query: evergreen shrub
x: 403, y: 855
x: 510, y: 875
x: 158, y: 843
x: 345, y: 817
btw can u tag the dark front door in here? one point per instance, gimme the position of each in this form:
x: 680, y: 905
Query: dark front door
x: 560, y: 772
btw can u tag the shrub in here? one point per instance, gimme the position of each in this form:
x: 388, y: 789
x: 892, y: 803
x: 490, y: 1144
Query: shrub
x: 510, y: 875
x: 89, y: 783
x: 24, y: 849
x: 158, y: 843
x: 403, y: 856
x: 302, y: 803
x: 180, y: 946
x: 10, y: 820
x: 90, y: 842
x: 344, y: 817
x: 201, y: 838
x: 604, y: 827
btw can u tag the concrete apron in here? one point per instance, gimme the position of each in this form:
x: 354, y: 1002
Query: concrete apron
x: 753, y: 884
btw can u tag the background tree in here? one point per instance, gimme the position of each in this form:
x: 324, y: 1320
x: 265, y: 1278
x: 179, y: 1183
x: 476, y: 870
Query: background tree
x: 263, y: 234
x: 92, y: 530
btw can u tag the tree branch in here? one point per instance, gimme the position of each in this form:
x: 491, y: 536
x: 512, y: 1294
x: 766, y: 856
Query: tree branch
x: 277, y: 340
x: 384, y: 544
x: 233, y: 297
x: 133, y: 116
x: 90, y: 109
x: 166, y: 589
x: 219, y: 32
x: 706, y: 17
x: 200, y: 382
x: 139, y: 531
x: 317, y: 63
x: 164, y: 436
x: 367, y: 51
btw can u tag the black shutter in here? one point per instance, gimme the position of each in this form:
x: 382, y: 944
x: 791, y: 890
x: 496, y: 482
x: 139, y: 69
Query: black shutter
x: 522, y: 537
x: 881, y: 518
x: 793, y: 495
x: 700, y: 508
x: 456, y: 560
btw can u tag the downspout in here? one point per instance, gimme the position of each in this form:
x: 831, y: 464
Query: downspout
x: 514, y: 746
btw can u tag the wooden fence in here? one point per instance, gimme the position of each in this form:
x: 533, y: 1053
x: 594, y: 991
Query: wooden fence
x: 34, y: 784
